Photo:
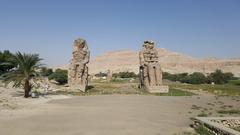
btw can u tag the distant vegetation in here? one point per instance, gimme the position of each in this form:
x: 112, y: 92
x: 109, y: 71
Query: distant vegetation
x: 101, y: 74
x: 125, y: 75
x: 218, y: 89
x: 60, y: 76
x: 118, y: 75
x: 217, y: 77
x: 46, y: 71
x: 6, y: 61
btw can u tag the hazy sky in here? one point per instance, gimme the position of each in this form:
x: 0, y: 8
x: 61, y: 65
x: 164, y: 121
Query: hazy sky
x: 200, y: 28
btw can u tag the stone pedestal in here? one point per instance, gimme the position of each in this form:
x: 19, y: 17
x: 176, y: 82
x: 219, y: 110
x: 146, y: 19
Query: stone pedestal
x: 158, y: 89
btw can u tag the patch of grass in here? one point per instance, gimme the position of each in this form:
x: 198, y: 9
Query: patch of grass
x: 234, y: 82
x: 104, y: 88
x: 232, y: 111
x: 9, y: 106
x: 226, y: 106
x: 195, y: 107
x: 237, y: 129
x: 203, y: 131
x: 220, y: 102
x: 220, y: 90
x: 210, y: 104
x: 202, y: 114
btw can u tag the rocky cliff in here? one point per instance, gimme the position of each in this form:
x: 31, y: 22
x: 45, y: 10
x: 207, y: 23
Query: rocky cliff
x: 172, y: 62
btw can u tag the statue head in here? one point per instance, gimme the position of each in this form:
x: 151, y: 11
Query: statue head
x: 148, y: 44
x: 80, y: 44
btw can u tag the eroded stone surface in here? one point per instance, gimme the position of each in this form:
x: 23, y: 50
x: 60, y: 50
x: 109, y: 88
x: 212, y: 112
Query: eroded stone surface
x: 220, y: 125
x: 78, y: 70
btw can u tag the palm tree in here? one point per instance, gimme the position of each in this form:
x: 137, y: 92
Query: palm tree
x: 26, y: 70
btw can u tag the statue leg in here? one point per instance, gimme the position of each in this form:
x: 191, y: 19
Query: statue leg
x: 141, y: 77
x: 72, y: 74
x: 85, y: 76
x: 145, y: 77
x: 158, y: 74
x: 151, y: 71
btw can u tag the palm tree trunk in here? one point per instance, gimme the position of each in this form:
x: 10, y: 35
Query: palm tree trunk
x: 27, y: 88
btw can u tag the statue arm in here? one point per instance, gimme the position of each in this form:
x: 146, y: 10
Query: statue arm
x: 86, y: 60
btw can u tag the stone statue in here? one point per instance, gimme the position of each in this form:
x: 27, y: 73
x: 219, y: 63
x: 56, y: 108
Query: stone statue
x: 109, y: 76
x: 78, y: 71
x: 150, y: 70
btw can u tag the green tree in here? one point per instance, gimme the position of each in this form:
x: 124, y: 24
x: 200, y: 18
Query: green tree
x: 229, y: 76
x: 175, y: 77
x: 59, y: 76
x: 6, y: 62
x: 197, y: 78
x: 125, y: 75
x: 46, y: 71
x: 101, y: 74
x: 217, y: 77
x: 26, y: 70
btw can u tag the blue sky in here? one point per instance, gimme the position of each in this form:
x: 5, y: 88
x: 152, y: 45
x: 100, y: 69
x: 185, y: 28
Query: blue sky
x: 200, y: 28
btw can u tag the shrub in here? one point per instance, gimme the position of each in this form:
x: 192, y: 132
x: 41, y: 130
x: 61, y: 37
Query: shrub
x: 125, y: 75
x: 59, y: 76
x: 168, y: 76
x: 218, y: 77
x: 6, y: 61
x: 46, y: 71
x: 197, y: 78
x: 100, y: 74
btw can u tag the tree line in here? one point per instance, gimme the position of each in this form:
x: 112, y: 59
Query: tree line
x: 217, y: 77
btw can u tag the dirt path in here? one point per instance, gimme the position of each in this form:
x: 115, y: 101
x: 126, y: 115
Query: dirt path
x: 106, y: 115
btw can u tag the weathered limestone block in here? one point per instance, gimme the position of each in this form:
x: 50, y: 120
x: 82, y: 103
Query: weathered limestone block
x: 78, y: 70
x: 150, y: 69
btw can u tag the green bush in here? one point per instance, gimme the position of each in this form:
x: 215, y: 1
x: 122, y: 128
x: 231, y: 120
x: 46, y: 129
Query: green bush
x: 59, y: 76
x: 218, y: 77
x: 125, y: 75
x: 197, y: 78
x: 46, y: 71
x: 6, y: 61
x: 168, y: 76
x: 100, y: 74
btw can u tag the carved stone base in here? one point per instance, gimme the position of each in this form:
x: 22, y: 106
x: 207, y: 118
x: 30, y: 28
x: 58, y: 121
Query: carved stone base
x: 158, y: 89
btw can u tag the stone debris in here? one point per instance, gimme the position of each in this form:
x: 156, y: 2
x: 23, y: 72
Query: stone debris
x: 231, y: 123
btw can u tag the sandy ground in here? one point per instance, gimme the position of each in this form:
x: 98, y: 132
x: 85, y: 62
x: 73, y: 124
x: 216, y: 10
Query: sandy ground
x: 103, y: 114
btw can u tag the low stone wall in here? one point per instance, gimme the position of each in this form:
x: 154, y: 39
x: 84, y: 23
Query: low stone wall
x: 219, y: 125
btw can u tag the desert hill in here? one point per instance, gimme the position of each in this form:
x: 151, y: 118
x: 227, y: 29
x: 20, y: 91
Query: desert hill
x: 172, y: 62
